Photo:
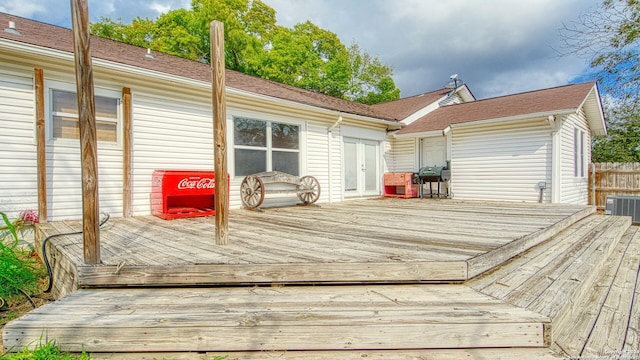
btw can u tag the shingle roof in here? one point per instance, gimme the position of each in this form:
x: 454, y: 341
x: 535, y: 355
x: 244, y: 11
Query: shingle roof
x: 562, y: 98
x: 59, y: 38
x: 402, y: 108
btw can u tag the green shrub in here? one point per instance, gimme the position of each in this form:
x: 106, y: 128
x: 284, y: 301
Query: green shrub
x: 19, y: 269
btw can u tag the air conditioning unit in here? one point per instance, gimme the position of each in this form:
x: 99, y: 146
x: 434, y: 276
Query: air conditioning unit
x: 624, y: 206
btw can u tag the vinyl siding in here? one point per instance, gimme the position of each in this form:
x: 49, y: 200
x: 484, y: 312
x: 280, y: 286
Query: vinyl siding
x: 402, y: 155
x: 18, y: 173
x: 168, y: 134
x: 574, y: 190
x: 501, y: 162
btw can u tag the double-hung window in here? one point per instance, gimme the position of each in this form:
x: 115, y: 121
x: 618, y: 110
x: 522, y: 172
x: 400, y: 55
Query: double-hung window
x: 265, y: 146
x: 65, y: 116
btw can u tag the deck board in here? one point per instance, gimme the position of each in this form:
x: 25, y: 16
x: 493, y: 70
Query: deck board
x: 279, y: 318
x: 375, y: 240
x: 613, y: 321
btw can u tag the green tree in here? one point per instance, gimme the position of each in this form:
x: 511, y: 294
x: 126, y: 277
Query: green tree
x: 305, y: 56
x: 609, y: 38
x: 622, y: 143
x: 371, y: 81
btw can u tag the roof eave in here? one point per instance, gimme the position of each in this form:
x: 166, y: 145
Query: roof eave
x: 592, y: 106
x: 391, y: 124
x: 35, y: 50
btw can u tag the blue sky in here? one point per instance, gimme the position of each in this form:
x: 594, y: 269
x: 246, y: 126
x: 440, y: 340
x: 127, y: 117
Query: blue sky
x: 497, y: 47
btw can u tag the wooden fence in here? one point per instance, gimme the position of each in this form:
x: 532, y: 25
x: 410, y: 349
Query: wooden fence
x: 611, y: 179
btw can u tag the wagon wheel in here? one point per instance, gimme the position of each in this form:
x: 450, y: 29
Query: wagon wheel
x: 309, y: 190
x: 252, y: 192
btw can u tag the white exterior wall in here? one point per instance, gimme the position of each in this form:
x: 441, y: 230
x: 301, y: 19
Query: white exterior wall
x: 574, y: 190
x: 501, y: 162
x: 18, y: 172
x: 171, y: 129
x: 403, y: 155
x: 168, y: 134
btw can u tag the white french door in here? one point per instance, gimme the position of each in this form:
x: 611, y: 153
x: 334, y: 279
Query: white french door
x: 361, y: 167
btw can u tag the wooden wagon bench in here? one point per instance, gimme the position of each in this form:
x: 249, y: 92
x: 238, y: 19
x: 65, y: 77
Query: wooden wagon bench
x: 254, y: 187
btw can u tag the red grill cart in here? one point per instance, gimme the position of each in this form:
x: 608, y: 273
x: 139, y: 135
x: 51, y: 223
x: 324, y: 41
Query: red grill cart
x: 183, y: 193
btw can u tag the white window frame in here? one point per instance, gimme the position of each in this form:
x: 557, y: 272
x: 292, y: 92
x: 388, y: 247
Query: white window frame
x: 579, y: 155
x: 51, y: 86
x: 268, y: 119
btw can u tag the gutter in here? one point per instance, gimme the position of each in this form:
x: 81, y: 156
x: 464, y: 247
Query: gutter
x: 541, y: 115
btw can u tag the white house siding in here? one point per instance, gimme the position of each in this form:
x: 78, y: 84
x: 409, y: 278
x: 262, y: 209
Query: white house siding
x: 501, y: 162
x: 574, y: 190
x: 402, y: 155
x: 18, y: 172
x: 168, y: 134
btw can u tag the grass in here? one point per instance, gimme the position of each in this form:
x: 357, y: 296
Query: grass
x: 46, y: 351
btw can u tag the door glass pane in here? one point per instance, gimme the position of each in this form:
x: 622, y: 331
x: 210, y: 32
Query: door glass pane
x: 371, y: 169
x: 250, y: 161
x: 284, y: 136
x: 250, y: 132
x: 285, y: 162
x: 350, y: 166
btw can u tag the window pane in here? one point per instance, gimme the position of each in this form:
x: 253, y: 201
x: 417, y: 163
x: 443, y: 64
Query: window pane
x: 69, y: 128
x: 107, y: 131
x: 106, y: 107
x: 250, y: 132
x: 284, y: 136
x: 64, y: 101
x: 285, y: 162
x: 65, y: 128
x: 250, y: 161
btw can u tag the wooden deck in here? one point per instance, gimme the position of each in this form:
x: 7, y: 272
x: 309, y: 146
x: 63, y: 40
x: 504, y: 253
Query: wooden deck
x: 567, y: 287
x: 364, y: 241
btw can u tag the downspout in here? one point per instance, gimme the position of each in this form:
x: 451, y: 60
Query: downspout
x: 329, y: 157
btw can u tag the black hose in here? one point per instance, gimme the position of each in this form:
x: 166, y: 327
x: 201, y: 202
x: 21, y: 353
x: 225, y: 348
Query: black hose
x: 44, y: 250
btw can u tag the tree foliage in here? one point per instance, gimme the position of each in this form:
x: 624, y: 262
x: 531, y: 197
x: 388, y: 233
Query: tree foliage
x: 609, y: 38
x: 305, y: 56
x: 622, y: 143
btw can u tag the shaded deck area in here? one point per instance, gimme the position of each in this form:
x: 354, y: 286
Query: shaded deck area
x: 363, y: 241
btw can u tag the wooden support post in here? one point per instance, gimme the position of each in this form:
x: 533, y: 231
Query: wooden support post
x: 219, y: 132
x: 88, y: 141
x: 126, y: 153
x: 41, y: 146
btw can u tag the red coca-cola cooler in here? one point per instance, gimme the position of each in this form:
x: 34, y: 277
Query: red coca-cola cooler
x: 183, y: 193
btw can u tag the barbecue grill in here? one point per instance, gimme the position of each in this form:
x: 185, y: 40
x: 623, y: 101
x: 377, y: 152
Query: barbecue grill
x: 431, y: 174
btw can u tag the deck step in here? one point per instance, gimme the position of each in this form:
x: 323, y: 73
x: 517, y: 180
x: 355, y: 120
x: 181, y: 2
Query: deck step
x: 557, y: 278
x: 373, y: 317
x: 446, y: 354
x: 600, y: 321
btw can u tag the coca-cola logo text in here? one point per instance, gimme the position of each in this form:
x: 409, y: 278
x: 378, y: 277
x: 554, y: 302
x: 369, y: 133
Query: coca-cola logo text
x: 198, y: 183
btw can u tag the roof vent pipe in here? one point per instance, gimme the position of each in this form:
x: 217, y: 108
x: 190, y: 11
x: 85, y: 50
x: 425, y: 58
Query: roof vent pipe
x: 12, y: 28
x: 149, y: 54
